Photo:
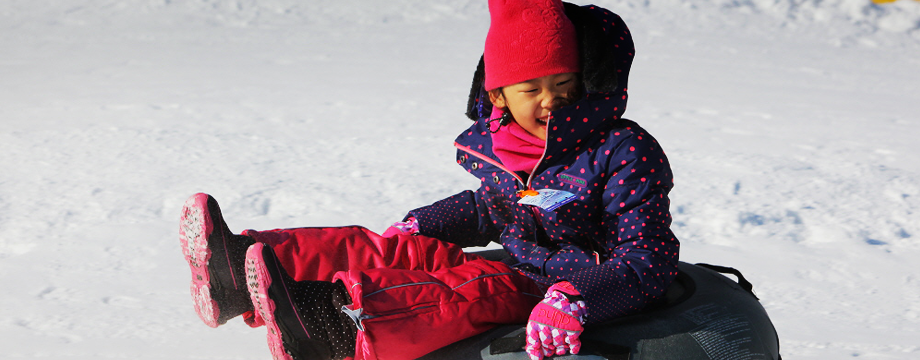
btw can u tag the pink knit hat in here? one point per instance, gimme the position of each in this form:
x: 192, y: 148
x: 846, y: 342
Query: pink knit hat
x: 528, y: 39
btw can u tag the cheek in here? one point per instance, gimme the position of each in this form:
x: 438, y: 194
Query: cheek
x: 525, y: 113
x: 531, y: 108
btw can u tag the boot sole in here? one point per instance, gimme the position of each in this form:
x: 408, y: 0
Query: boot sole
x: 195, y: 227
x: 216, y: 300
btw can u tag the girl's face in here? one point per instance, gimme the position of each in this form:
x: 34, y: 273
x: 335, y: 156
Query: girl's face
x: 531, y: 101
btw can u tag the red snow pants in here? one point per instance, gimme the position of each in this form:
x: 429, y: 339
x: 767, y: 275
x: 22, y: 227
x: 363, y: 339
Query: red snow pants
x: 414, y: 294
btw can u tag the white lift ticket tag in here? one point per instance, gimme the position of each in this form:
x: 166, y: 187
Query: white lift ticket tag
x: 548, y: 199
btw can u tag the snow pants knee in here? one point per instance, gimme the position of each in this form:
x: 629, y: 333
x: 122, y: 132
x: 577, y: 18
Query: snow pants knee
x: 411, y: 294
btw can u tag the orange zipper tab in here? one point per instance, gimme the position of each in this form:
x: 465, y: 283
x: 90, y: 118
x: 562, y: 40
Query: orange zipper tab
x: 528, y: 192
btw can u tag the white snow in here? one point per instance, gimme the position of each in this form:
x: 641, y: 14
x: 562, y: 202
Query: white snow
x: 790, y: 125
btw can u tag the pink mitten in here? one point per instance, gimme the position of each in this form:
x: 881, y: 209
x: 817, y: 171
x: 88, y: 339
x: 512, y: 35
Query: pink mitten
x: 408, y: 227
x: 555, y: 323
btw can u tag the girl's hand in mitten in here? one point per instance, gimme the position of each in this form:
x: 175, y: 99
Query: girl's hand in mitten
x: 556, y: 323
x: 408, y: 227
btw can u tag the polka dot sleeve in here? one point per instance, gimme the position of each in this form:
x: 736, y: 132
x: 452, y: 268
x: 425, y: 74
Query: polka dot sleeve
x: 462, y: 219
x: 641, y: 251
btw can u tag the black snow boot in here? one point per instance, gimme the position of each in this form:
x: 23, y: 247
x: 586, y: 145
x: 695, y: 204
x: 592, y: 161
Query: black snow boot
x: 302, y: 317
x: 215, y: 256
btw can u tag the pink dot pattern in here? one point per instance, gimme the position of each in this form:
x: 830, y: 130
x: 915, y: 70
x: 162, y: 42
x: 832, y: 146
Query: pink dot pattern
x: 613, y: 241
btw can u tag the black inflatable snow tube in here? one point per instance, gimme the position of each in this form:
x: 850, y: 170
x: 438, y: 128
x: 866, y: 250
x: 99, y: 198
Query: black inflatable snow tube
x: 706, y: 316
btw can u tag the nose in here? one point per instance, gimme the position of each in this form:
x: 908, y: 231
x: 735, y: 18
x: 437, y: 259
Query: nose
x: 553, y: 100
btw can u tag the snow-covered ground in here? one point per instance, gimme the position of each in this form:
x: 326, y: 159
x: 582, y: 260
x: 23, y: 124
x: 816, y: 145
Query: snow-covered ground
x: 791, y: 126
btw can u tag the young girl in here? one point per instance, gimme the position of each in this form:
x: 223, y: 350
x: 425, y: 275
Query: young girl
x: 576, y: 195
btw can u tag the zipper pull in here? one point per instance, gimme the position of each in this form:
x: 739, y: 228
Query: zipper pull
x: 528, y: 192
x: 356, y: 316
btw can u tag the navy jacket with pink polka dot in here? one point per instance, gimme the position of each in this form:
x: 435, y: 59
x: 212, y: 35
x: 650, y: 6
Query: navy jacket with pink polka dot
x: 612, y: 241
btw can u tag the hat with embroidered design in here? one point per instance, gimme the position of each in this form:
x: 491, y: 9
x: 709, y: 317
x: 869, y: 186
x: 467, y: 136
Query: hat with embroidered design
x: 528, y: 39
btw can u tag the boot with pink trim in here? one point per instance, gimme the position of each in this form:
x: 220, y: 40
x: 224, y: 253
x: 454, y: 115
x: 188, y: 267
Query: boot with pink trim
x: 302, y: 317
x: 215, y: 256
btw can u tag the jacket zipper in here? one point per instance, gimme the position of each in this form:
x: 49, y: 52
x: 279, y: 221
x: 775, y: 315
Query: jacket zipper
x: 358, y: 315
x: 500, y: 166
x: 493, y: 162
x: 536, y: 213
x: 369, y: 316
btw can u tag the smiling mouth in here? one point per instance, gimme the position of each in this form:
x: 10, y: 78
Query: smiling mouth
x: 543, y: 120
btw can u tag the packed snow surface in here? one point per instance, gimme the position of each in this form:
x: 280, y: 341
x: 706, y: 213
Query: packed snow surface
x: 791, y: 127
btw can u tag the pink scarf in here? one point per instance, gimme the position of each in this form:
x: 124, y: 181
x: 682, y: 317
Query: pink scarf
x: 518, y: 149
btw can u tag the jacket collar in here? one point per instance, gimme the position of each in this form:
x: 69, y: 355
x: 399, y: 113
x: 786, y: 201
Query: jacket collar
x: 570, y: 129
